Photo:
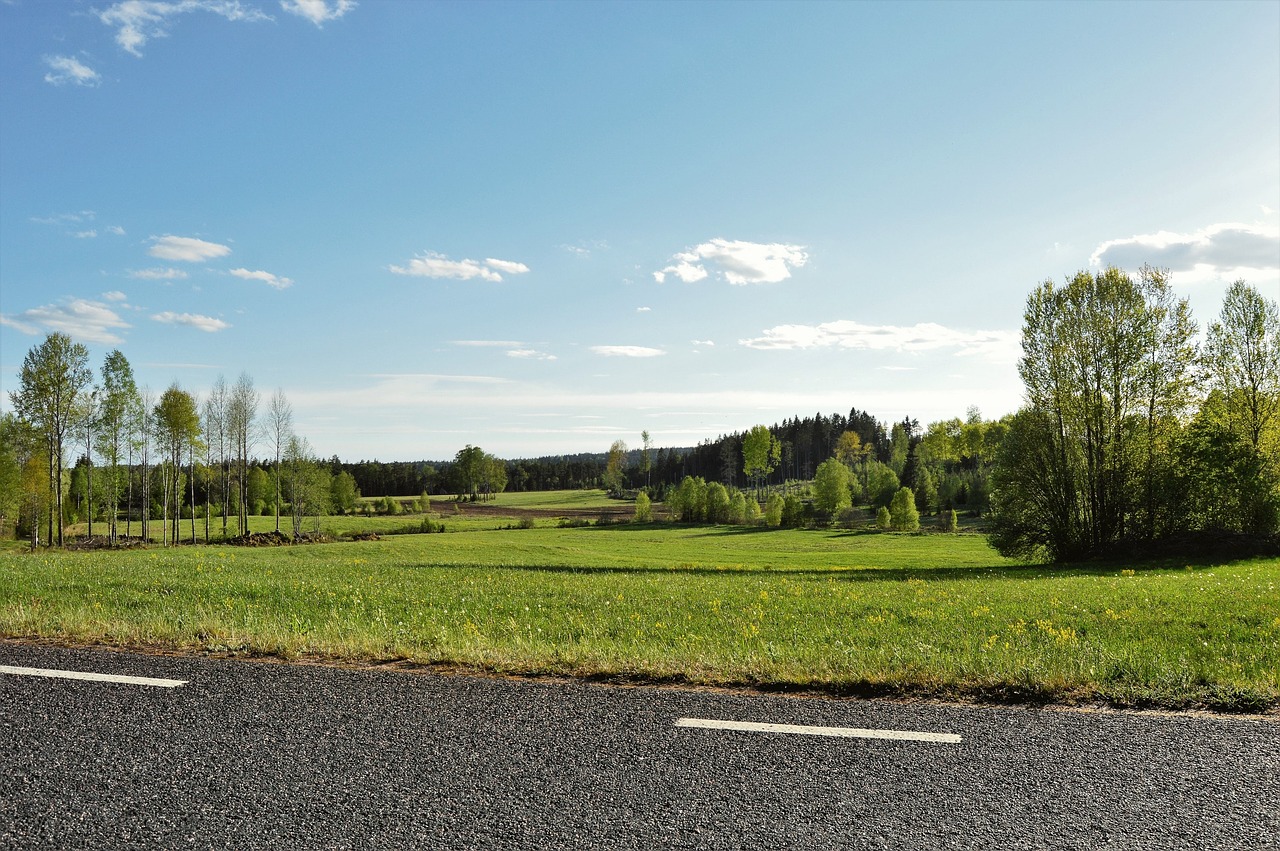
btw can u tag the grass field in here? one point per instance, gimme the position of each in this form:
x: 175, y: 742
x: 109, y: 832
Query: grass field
x: 855, y: 613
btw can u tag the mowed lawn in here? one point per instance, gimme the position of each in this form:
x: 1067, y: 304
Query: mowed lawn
x: 856, y: 613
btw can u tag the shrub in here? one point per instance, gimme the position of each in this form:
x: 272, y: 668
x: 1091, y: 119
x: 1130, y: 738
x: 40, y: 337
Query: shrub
x: 947, y: 521
x: 792, y: 511
x: 644, y: 508
x: 752, y: 515
x: 525, y: 523
x: 883, y: 520
x: 737, y: 509
x: 773, y: 511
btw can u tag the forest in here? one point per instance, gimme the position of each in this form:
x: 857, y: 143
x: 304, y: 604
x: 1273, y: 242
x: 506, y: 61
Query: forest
x: 1138, y: 426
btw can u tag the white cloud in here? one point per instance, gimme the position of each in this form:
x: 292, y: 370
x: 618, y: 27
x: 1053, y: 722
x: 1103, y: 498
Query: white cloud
x: 266, y: 278
x: 89, y: 321
x: 703, y: 342
x: 433, y: 265
x: 643, y: 309
x: 156, y: 274
x: 116, y: 230
x: 318, y: 11
x: 138, y: 21
x: 926, y: 336
x: 186, y: 249
x: 738, y: 262
x: 1221, y: 250
x: 194, y: 320
x: 115, y: 295
x: 65, y: 218
x: 68, y: 69
x: 529, y: 354
x: 627, y: 351
x: 86, y: 234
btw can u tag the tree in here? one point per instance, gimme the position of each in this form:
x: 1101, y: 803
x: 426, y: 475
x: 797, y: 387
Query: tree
x: 737, y: 509
x: 831, y: 486
x: 902, y: 511
x: 279, y: 430
x: 178, y: 429
x: 468, y: 468
x: 614, y: 465
x: 1102, y: 356
x: 717, y: 503
x: 306, y: 483
x: 646, y: 456
x: 884, y: 522
x: 761, y: 452
x: 242, y: 412
x: 343, y: 493
x: 53, y: 378
x: 1243, y: 356
x: 119, y: 398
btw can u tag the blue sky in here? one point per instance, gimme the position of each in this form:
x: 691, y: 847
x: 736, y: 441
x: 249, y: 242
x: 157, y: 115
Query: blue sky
x: 541, y: 227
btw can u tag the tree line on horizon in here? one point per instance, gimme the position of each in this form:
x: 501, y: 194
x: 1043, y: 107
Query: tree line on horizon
x: 1133, y: 431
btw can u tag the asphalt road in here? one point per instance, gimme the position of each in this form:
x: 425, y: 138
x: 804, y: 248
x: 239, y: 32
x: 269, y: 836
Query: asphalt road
x: 255, y: 755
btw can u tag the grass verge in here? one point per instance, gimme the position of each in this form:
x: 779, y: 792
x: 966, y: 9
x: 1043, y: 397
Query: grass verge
x: 868, y: 614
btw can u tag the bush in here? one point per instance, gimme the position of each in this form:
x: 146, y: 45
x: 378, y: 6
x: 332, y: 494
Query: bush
x: 773, y: 511
x: 883, y: 520
x: 947, y: 521
x: 525, y: 523
x: 752, y: 516
x: 792, y: 511
x: 737, y: 509
x: 644, y: 508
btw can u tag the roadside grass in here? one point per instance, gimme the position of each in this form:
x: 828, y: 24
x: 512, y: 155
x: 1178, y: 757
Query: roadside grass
x: 837, y: 612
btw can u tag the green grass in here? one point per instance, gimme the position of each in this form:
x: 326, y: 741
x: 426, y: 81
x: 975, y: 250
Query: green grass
x: 925, y: 615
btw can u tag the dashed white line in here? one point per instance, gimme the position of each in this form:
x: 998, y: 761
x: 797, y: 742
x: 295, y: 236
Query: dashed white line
x: 89, y: 675
x: 836, y: 732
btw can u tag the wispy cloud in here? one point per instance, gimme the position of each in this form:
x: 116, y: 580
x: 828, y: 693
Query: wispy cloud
x: 644, y: 309
x: 157, y: 274
x: 88, y: 321
x: 703, y: 342
x: 115, y: 230
x: 496, y: 344
x: 627, y: 351
x: 433, y: 265
x: 529, y: 354
x: 1220, y: 249
x: 65, y: 219
x: 138, y: 21
x: 86, y: 234
x: 186, y: 249
x: 266, y: 278
x: 318, y: 11
x: 208, y: 324
x: 738, y: 262
x: 925, y: 336
x: 68, y: 69
x: 115, y: 295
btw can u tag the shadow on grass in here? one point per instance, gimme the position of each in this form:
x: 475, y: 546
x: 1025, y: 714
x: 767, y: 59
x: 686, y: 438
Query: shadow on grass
x: 995, y: 573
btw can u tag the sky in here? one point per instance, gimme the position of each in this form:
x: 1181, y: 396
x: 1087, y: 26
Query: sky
x: 540, y: 227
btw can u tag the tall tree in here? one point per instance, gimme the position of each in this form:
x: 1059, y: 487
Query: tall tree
x: 1244, y: 360
x: 178, y: 428
x: 761, y: 452
x: 614, y: 465
x: 646, y: 455
x: 279, y: 429
x: 53, y: 379
x: 119, y: 396
x: 242, y: 411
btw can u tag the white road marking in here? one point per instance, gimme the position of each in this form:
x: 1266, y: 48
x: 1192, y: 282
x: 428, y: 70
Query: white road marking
x: 837, y: 732
x: 87, y: 675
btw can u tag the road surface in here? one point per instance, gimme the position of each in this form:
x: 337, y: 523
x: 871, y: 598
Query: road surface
x: 262, y: 755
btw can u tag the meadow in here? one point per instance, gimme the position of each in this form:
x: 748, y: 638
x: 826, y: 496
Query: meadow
x: 834, y: 611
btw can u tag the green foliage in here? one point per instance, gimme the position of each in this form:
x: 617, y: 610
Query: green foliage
x: 717, y: 503
x: 792, y: 511
x: 761, y: 452
x: 882, y: 484
x: 903, y: 513
x: 947, y: 521
x: 773, y: 508
x: 737, y: 509
x: 688, y: 502
x: 644, y: 508
x: 343, y: 493
x: 752, y: 515
x: 831, y: 487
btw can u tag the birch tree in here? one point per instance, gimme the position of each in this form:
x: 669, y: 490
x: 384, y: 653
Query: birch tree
x: 51, y: 384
